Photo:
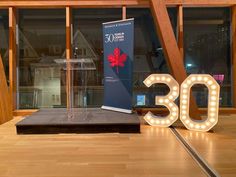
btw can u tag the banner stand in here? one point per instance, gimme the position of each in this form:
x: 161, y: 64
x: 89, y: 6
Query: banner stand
x: 118, y: 45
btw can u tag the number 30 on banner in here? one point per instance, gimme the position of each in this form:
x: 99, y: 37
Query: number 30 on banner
x: 168, y: 101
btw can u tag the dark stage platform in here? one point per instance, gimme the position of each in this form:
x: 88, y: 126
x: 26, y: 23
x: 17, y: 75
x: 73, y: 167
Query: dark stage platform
x: 53, y: 121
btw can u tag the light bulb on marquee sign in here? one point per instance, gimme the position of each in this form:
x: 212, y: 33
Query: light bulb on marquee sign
x: 168, y: 101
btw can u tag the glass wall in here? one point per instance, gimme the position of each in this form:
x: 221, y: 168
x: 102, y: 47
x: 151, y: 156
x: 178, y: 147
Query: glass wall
x: 148, y: 56
x: 88, y: 43
x: 4, y: 38
x: 41, y: 41
x: 207, y: 49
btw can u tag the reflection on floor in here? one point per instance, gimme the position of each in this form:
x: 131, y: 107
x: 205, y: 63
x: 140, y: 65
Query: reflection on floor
x: 218, y: 147
x: 154, y: 152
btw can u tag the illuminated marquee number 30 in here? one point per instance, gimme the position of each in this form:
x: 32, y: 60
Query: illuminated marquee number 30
x: 168, y: 101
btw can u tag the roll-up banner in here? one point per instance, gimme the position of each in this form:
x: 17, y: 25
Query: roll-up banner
x: 118, y: 45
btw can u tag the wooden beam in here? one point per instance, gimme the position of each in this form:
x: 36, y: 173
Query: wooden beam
x: 123, y: 12
x: 109, y: 3
x: 68, y: 57
x: 12, y: 56
x: 5, y: 101
x: 68, y: 32
x: 170, y: 47
x: 233, y: 17
x: 72, y: 3
x: 193, y: 3
x: 180, y: 30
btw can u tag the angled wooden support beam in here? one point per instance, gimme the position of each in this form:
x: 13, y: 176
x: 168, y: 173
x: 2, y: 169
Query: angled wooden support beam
x: 170, y: 46
x: 6, y: 112
x: 12, y: 56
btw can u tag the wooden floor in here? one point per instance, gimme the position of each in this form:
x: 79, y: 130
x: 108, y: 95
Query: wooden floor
x: 218, y: 148
x: 154, y: 152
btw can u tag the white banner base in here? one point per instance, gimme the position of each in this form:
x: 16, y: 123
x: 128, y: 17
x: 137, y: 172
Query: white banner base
x: 117, y: 109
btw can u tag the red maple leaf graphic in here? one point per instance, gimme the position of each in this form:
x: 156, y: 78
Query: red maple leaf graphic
x: 117, y: 59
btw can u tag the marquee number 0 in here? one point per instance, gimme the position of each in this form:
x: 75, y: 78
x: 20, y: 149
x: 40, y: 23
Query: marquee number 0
x: 168, y: 101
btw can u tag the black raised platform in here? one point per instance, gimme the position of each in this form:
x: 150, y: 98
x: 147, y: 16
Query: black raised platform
x: 52, y: 121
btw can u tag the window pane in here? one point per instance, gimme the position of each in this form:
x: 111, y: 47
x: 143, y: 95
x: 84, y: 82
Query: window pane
x: 41, y: 40
x: 4, y: 38
x: 148, y: 56
x: 207, y: 49
x: 88, y: 43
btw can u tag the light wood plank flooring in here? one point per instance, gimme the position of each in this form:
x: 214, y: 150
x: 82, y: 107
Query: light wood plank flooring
x: 218, y: 148
x: 155, y: 152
